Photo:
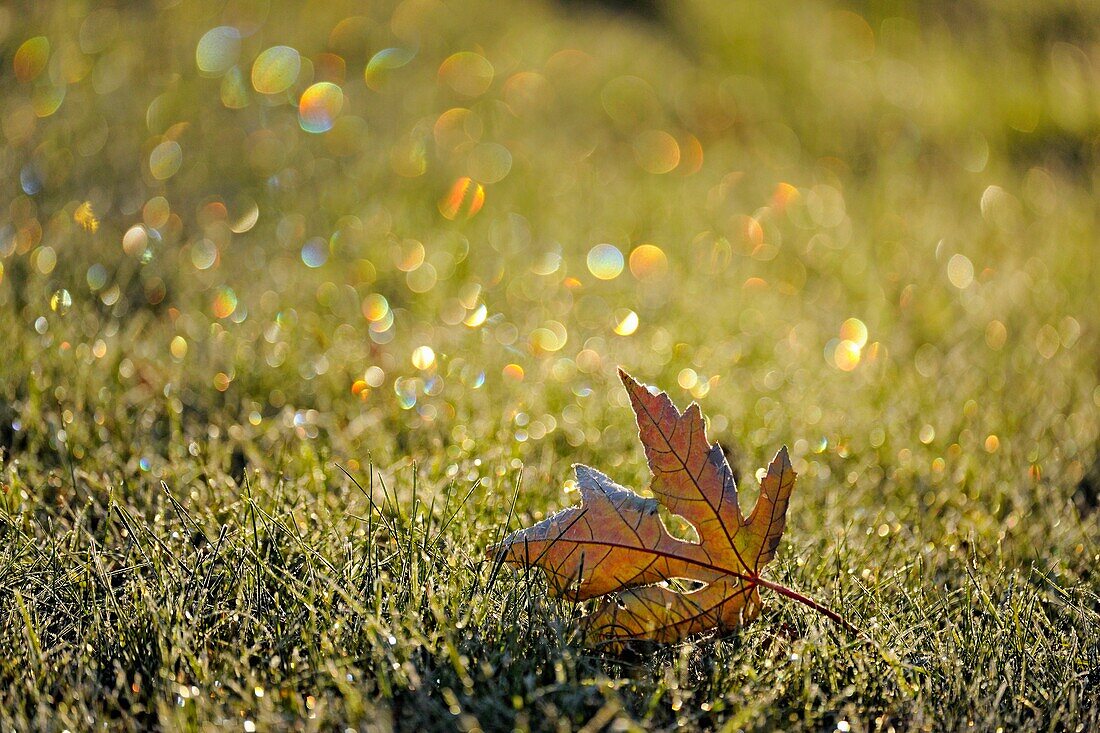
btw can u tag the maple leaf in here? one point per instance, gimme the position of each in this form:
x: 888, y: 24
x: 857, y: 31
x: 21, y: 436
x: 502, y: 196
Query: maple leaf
x: 615, y: 544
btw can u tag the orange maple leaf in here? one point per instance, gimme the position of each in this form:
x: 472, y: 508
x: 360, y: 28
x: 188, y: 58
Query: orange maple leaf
x: 615, y: 542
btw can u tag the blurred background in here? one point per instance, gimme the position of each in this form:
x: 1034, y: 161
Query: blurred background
x: 420, y: 229
x: 243, y: 242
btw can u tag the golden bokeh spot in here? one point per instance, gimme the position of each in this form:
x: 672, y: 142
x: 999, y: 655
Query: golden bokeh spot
x: 648, y: 262
x: 783, y: 196
x: 470, y: 74
x: 423, y: 357
x: 464, y: 200
x: 31, y: 58
x: 855, y: 331
x: 656, y: 151
x: 86, y: 218
x: 626, y: 322
x: 847, y: 355
x: 318, y: 107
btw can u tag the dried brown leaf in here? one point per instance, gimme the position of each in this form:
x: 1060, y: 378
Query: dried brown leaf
x: 616, y: 546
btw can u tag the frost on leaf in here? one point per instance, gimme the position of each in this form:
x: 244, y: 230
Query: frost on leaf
x: 614, y: 545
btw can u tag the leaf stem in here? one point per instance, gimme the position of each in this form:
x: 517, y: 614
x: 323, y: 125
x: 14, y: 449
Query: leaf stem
x: 811, y: 603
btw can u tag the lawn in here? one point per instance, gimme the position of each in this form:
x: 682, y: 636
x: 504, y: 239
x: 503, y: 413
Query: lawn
x: 304, y: 305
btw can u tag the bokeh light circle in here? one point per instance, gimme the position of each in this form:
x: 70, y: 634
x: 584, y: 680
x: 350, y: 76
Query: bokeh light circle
x: 657, y: 151
x: 276, y: 69
x: 847, y: 355
x: 375, y: 307
x: 319, y: 106
x: 61, y: 301
x: 626, y: 322
x: 165, y: 160
x: 470, y: 74
x: 135, y: 241
x: 218, y: 50
x: 489, y: 162
x: 854, y: 330
x: 605, y: 261
x: 156, y: 212
x: 382, y: 64
x: 225, y: 302
x: 315, y: 252
x: 463, y: 200
x: 648, y: 261
x: 423, y: 357
x: 960, y: 271
x: 31, y: 58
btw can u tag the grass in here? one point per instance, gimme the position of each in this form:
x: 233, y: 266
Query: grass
x: 237, y: 492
